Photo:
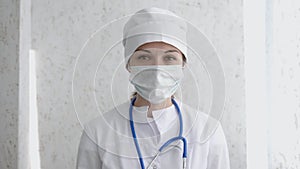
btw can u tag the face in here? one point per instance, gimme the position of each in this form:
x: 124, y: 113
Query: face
x: 156, y: 53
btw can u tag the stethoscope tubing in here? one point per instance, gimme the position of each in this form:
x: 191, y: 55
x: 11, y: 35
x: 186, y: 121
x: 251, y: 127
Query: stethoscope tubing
x: 166, y: 144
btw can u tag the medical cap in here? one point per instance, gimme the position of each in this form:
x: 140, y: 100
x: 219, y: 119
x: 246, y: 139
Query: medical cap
x: 152, y: 25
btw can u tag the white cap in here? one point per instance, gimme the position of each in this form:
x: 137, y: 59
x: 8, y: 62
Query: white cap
x: 152, y: 25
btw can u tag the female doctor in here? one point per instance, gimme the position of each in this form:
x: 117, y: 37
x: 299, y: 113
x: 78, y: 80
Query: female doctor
x: 153, y: 129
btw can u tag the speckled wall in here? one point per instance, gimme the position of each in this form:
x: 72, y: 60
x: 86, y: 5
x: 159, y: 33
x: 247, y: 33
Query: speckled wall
x: 9, y: 82
x: 60, y: 28
x: 9, y: 77
x: 283, y: 46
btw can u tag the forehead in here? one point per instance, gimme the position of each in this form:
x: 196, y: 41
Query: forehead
x: 158, y: 45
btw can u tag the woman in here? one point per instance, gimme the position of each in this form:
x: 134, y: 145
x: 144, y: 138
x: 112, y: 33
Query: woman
x: 153, y: 129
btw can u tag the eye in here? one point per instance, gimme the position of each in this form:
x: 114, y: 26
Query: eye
x: 143, y: 57
x: 170, y: 58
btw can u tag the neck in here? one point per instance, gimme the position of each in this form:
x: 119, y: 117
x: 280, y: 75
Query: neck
x: 140, y: 101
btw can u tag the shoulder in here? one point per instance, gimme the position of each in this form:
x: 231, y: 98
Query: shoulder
x: 108, y: 120
x: 193, y: 119
x: 199, y: 126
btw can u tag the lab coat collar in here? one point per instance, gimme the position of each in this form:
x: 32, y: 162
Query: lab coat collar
x: 163, y: 118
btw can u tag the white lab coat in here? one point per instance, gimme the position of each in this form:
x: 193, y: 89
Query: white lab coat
x: 107, y: 143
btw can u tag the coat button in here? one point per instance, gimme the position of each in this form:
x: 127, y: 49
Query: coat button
x: 154, y: 167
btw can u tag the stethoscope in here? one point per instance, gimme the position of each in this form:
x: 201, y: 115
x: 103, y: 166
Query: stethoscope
x: 179, y: 137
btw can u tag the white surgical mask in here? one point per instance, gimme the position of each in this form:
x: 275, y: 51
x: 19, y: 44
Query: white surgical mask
x: 156, y: 83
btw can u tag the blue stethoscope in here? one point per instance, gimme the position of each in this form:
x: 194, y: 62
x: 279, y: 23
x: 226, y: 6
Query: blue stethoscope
x: 179, y: 137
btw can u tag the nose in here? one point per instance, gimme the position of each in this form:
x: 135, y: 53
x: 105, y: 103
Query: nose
x: 158, y: 60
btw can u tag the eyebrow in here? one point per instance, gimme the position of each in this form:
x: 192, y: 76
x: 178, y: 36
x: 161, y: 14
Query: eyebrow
x: 143, y: 50
x: 150, y: 52
x: 171, y: 51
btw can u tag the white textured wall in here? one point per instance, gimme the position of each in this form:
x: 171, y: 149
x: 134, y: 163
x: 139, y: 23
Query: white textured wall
x: 283, y: 58
x: 59, y: 29
x: 15, y: 42
x: 9, y: 82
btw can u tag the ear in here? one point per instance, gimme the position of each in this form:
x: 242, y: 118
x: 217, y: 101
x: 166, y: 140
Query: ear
x: 183, y: 65
x: 128, y: 67
x: 183, y: 60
